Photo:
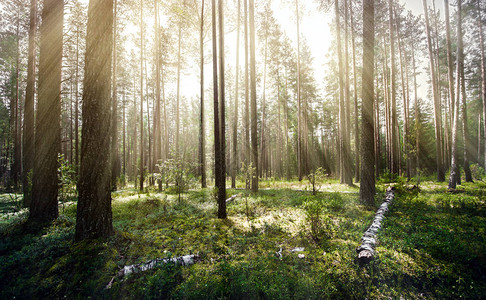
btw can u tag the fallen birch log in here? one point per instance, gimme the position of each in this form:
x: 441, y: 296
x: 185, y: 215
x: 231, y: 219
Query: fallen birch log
x: 231, y: 198
x: 366, y: 250
x: 185, y: 260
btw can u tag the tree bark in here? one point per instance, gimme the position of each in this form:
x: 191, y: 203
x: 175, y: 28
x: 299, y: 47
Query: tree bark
x: 48, y: 130
x: 367, y: 186
x: 142, y: 166
x: 235, y: 118
x: 254, y: 138
x: 202, y: 131
x: 222, y: 130
x: 483, y: 74
x: 94, y: 217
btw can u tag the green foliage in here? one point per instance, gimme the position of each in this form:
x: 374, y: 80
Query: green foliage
x: 67, y: 179
x: 247, y: 172
x: 318, y: 222
x: 431, y: 245
x: 316, y: 177
x: 176, y: 172
x: 477, y: 172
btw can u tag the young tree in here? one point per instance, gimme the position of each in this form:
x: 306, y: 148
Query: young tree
x: 43, y: 207
x: 94, y: 217
x: 367, y: 186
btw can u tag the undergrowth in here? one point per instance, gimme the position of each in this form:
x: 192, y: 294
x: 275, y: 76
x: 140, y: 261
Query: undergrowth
x: 432, y: 245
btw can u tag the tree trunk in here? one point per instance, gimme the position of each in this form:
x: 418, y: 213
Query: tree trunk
x: 450, y: 63
x: 142, y: 166
x: 299, y: 104
x: 94, y: 217
x: 48, y: 130
x: 202, y: 131
x: 157, y: 129
x: 115, y: 169
x: 355, y: 90
x: 346, y: 176
x: 177, y: 133
x: 437, y: 110
x: 367, y: 186
x: 254, y: 138
x: 465, y: 129
x: 394, y: 142
x: 222, y: 129
x: 483, y: 75
x: 247, y: 104
x: 28, y: 146
x: 455, y: 175
x: 235, y: 118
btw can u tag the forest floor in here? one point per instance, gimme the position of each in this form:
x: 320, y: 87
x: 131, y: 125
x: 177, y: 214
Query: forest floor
x: 432, y: 245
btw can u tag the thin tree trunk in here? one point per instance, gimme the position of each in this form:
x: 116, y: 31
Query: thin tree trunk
x: 217, y: 143
x: 355, y: 89
x: 465, y: 128
x: 395, y: 166
x: 157, y: 130
x: 235, y: 119
x: 247, y: 104
x: 222, y: 129
x: 142, y: 167
x: 483, y: 74
x: 202, y: 131
x: 254, y: 139
x: 299, y: 104
x: 177, y: 133
x: 115, y: 173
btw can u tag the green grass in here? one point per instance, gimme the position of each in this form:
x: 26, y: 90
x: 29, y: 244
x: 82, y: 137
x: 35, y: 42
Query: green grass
x: 432, y: 245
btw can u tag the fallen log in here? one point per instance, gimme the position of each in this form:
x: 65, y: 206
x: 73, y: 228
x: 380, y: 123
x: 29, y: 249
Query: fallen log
x: 366, y: 250
x: 231, y: 198
x: 185, y: 260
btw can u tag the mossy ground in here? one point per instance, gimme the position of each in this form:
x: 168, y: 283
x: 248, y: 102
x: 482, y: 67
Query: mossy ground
x: 432, y: 245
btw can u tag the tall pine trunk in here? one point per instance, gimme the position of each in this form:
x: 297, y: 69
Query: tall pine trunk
x: 483, y: 74
x: 48, y: 130
x: 367, y: 186
x: 202, y: 131
x: 254, y: 138
x: 235, y: 118
x: 94, y: 217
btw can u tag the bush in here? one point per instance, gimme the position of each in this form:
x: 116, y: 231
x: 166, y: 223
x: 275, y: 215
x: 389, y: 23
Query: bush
x: 319, y: 223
